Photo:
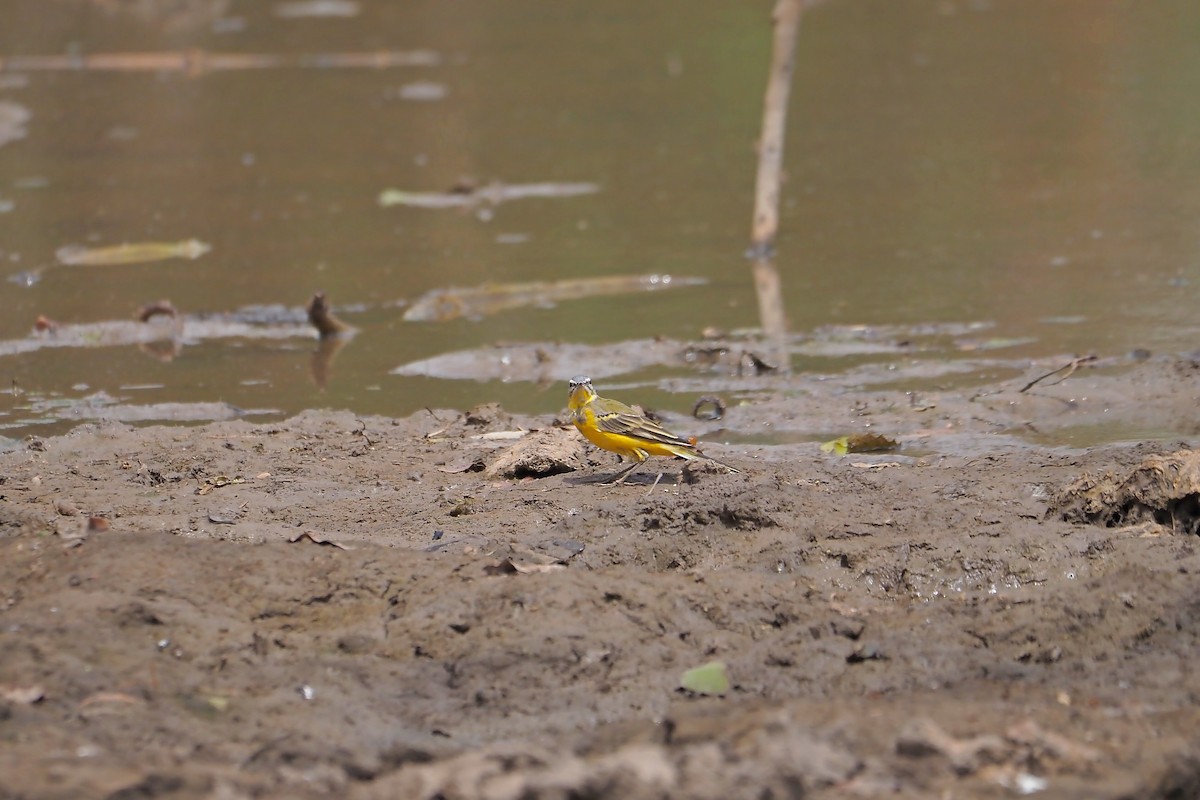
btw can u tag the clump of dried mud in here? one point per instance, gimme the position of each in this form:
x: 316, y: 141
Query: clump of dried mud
x: 328, y: 606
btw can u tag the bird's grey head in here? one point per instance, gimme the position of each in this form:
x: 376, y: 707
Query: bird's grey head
x: 577, y: 381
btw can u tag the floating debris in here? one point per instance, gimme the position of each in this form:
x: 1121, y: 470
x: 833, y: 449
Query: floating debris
x: 301, y: 9
x: 423, y: 91
x: 198, y: 62
x: 13, y: 117
x: 442, y: 305
x: 139, y: 253
x: 322, y: 318
x: 467, y: 196
x: 26, y: 278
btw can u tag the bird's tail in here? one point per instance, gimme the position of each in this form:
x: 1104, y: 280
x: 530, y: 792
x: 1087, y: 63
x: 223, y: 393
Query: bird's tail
x: 696, y: 450
x: 729, y: 467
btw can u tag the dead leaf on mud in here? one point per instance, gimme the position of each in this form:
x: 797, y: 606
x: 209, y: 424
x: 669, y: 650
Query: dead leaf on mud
x: 520, y: 561
x: 500, y: 436
x: 860, y: 443
x: 217, y: 481
x: 204, y: 704
x: 73, y: 531
x: 875, y: 466
x: 866, y: 652
x: 998, y: 758
x: 316, y: 538
x: 225, y: 516
x: 1163, y: 490
x: 103, y: 703
x: 924, y: 737
x: 22, y: 695
x: 464, y: 507
x: 511, y: 566
x: 1050, y: 744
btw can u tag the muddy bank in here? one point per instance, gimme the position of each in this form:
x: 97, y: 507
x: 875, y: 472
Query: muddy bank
x: 331, y: 605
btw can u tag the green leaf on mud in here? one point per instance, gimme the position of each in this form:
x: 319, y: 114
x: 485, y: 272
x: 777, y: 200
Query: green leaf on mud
x: 708, y: 679
x: 860, y: 443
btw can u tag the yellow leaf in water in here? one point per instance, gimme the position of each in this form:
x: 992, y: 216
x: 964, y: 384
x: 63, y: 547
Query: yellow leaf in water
x: 860, y: 443
x: 839, y: 447
x: 74, y: 255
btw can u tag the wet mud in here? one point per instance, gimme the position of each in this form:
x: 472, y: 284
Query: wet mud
x: 451, y: 605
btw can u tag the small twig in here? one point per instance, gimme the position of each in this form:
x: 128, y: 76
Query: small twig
x: 362, y: 431
x: 1069, y: 369
x: 656, y: 480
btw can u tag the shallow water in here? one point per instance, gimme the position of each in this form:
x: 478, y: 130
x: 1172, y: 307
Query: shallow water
x: 1025, y: 164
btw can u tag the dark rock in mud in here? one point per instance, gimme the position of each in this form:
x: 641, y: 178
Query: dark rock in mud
x: 541, y: 454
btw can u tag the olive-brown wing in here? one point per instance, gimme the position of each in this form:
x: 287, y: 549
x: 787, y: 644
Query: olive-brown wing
x: 620, y: 419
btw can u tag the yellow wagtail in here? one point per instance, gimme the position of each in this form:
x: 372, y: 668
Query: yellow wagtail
x: 629, y: 433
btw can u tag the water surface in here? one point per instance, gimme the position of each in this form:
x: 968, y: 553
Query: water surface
x: 1024, y: 164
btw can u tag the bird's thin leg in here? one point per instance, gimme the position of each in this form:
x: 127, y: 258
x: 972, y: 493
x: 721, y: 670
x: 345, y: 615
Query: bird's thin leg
x: 620, y: 477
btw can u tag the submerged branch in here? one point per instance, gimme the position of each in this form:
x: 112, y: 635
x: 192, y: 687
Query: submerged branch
x: 774, y: 124
x: 322, y: 318
x: 199, y: 62
x: 1067, y: 369
x: 767, y: 284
